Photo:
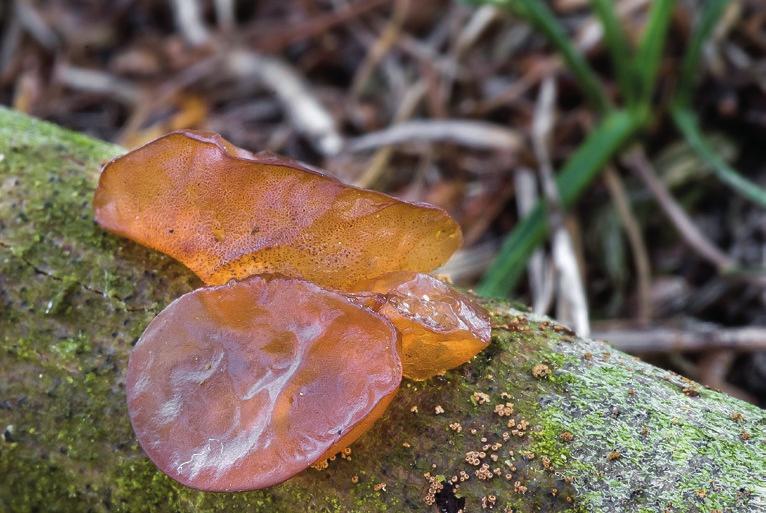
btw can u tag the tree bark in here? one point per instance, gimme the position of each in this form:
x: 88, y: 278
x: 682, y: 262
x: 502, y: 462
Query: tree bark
x: 592, y: 429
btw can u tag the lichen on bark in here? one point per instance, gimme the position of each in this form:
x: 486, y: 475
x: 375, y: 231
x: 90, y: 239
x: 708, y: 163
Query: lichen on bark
x: 601, y: 430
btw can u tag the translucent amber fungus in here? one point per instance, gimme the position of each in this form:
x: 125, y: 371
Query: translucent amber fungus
x: 241, y: 386
x: 440, y: 327
x: 227, y: 213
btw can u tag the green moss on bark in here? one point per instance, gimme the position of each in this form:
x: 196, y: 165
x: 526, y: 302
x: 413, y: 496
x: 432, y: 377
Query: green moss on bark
x: 74, y: 299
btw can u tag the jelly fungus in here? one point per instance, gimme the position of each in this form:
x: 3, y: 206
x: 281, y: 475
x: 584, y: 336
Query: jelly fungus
x: 241, y: 386
x: 440, y: 327
x: 227, y: 213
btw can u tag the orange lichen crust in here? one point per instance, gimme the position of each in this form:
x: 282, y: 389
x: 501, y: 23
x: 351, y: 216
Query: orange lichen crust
x: 226, y: 213
x: 440, y: 328
x: 241, y: 386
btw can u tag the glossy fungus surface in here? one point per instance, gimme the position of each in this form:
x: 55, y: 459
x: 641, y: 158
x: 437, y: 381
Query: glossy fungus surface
x: 227, y: 213
x: 440, y: 327
x: 241, y: 386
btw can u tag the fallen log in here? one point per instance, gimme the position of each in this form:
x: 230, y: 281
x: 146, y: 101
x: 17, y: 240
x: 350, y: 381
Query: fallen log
x: 541, y: 421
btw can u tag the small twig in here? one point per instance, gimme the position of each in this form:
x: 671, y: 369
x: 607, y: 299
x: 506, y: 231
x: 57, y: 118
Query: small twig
x: 479, y: 22
x: 694, y: 337
x: 468, y: 263
x: 713, y: 368
x: 382, y: 156
x: 636, y: 241
x: 96, y: 81
x: 494, y: 206
x: 546, y: 66
x: 481, y: 19
x: 637, y: 161
x: 572, y: 306
x: 36, y: 25
x: 382, y: 45
x: 165, y: 94
x: 225, y: 14
x: 274, y: 40
x: 474, y: 134
x: 188, y: 15
x: 541, y: 277
x: 307, y: 114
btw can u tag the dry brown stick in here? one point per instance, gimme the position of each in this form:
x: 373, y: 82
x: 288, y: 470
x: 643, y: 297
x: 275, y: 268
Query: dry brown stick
x: 636, y: 241
x: 481, y: 19
x: 713, y: 368
x: 637, y: 161
x: 382, y: 156
x: 380, y: 47
x: 544, y: 67
x: 165, y: 93
x: 273, y: 41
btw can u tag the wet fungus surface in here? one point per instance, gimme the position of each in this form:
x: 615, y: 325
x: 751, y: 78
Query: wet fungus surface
x: 440, y: 327
x: 227, y: 392
x: 227, y: 213
x: 243, y: 384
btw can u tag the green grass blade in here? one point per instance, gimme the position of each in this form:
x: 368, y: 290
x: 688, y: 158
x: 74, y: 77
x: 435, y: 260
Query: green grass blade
x: 687, y: 124
x: 618, y: 46
x: 649, y: 54
x: 711, y: 13
x: 581, y: 168
x: 537, y: 13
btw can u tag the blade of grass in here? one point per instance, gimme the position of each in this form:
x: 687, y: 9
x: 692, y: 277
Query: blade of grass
x: 618, y: 46
x: 581, y: 168
x: 649, y: 54
x: 711, y: 13
x: 687, y: 124
x: 537, y: 13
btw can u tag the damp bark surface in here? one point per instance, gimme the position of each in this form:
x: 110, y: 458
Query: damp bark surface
x: 540, y: 421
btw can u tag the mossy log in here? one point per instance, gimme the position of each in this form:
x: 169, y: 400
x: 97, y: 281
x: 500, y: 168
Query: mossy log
x: 589, y: 429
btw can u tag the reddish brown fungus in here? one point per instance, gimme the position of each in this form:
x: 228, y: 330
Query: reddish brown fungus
x: 440, y: 327
x: 241, y: 386
x: 227, y: 213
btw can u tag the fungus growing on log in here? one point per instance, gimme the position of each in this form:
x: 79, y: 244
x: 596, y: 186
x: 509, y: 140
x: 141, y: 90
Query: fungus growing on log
x: 241, y: 386
x: 227, y: 213
x: 440, y: 327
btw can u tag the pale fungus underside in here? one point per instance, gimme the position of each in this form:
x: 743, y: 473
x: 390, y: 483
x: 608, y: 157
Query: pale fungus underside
x: 227, y: 392
x: 74, y: 299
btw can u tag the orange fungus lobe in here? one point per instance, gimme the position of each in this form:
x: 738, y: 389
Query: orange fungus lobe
x: 241, y: 386
x: 440, y: 328
x: 227, y: 213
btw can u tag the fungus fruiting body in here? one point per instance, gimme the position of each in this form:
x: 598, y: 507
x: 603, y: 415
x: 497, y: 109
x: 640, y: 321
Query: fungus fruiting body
x: 440, y: 327
x: 241, y: 386
x: 227, y: 213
